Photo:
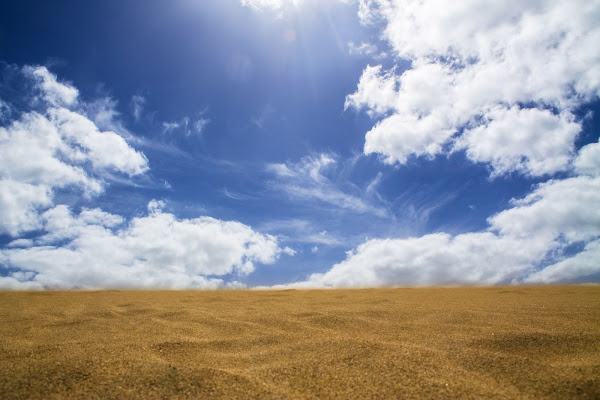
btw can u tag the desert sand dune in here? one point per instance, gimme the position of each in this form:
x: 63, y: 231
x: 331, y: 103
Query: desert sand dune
x: 517, y: 342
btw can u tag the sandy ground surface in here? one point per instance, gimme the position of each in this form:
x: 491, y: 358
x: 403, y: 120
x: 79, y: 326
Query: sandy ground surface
x: 517, y: 343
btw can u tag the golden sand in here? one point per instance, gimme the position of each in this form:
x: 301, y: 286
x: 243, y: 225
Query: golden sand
x: 506, y: 343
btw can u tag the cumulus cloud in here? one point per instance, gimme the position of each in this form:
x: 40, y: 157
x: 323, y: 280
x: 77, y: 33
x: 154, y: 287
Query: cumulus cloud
x: 307, y: 180
x: 429, y: 260
x: 19, y: 204
x: 513, y: 250
x: 54, y: 92
x: 531, y: 141
x: 568, y: 208
x: 573, y: 269
x: 588, y: 160
x: 507, y: 75
x: 55, y: 147
x: 100, y: 250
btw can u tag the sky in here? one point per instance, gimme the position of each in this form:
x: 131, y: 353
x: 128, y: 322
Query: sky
x: 190, y: 144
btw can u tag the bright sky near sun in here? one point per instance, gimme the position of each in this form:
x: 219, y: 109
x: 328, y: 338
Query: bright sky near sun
x: 298, y: 143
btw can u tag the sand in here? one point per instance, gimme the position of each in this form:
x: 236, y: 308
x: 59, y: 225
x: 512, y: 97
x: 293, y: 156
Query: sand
x: 465, y: 343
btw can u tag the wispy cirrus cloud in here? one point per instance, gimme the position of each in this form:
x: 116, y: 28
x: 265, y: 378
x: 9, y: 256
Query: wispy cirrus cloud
x: 308, y: 180
x: 302, y: 231
x: 137, y: 106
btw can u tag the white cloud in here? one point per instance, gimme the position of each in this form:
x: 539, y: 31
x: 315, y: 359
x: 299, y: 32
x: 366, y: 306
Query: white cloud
x: 300, y: 231
x: 266, y: 114
x: 105, y: 150
x: 307, y: 180
x: 475, y: 258
x: 270, y: 4
x: 377, y: 91
x: 568, y: 208
x: 157, y: 250
x: 170, y: 126
x: 366, y: 49
x: 5, y: 109
x: 17, y: 282
x: 54, y: 92
x: 588, y: 160
x: 483, y: 68
x: 22, y: 243
x: 500, y: 80
x: 19, y: 203
x: 554, y: 216
x: 372, y: 187
x: 289, y: 251
x: 137, y: 105
x: 201, y: 124
x: 186, y: 125
x: 574, y: 269
x: 53, y: 148
x: 34, y: 151
x: 531, y: 141
x: 60, y: 146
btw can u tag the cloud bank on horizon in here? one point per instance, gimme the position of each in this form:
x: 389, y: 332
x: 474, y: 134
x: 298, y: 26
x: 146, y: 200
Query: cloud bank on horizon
x: 509, y: 85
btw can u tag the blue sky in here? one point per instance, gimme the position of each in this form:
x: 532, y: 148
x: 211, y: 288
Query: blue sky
x: 255, y: 143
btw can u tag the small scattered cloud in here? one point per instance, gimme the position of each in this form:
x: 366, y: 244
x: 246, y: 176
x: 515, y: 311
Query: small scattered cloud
x: 200, y: 125
x: 166, y: 184
x: 186, y: 125
x: 137, y: 106
x: 289, y: 251
x: 266, y: 113
x: 169, y: 127
x: 365, y: 49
